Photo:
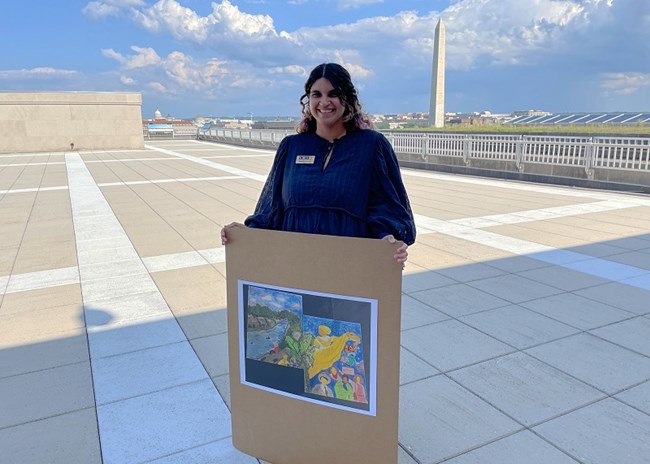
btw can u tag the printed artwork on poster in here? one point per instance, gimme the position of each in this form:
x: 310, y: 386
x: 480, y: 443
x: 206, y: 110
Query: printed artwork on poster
x: 308, y: 345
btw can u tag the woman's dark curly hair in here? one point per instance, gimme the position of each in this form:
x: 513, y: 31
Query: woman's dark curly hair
x: 353, y: 118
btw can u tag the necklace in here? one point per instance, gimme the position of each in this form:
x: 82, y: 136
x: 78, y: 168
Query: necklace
x: 328, y: 155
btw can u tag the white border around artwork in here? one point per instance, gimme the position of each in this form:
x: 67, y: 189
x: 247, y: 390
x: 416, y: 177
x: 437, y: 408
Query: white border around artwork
x: 373, y: 346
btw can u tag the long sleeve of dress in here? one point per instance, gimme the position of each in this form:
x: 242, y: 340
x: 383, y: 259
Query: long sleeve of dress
x: 389, y: 209
x: 269, y: 210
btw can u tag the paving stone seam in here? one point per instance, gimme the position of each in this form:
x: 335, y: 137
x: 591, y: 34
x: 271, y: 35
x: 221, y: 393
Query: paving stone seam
x: 534, y: 424
x: 129, y: 160
x: 616, y: 392
x: 408, y: 453
x: 108, y: 151
x: 178, y: 453
x: 125, y: 183
x: 590, y: 332
x: 45, y: 369
x: 105, y: 357
x: 572, y: 456
x: 167, y: 181
x: 621, y: 400
x: 461, y: 321
x: 21, y: 155
x: 148, y: 392
x: 31, y: 164
x: 224, y: 146
x: 237, y: 156
x: 71, y: 411
x: 542, y: 214
x: 495, y: 440
x: 632, y: 316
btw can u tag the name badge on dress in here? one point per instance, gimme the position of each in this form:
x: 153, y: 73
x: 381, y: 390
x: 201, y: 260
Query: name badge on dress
x: 305, y: 159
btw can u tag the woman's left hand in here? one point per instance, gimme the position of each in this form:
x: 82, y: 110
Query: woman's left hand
x: 401, y: 254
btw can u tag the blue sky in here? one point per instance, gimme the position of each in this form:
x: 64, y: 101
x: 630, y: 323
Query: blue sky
x: 237, y: 57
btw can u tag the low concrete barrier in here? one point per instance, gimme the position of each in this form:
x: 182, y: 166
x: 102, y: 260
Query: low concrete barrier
x: 66, y: 121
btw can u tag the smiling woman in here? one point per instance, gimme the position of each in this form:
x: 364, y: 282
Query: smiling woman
x: 337, y: 176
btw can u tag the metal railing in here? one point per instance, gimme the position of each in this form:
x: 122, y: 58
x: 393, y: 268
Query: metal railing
x: 588, y: 153
x: 246, y: 136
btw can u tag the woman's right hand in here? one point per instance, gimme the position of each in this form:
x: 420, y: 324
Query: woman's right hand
x: 224, y: 231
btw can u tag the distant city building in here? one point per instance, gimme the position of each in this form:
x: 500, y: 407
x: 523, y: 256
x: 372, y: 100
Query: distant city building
x: 168, y: 127
x: 286, y: 124
x: 437, y: 101
x: 530, y: 113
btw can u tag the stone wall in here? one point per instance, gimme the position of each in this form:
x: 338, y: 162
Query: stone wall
x: 53, y: 121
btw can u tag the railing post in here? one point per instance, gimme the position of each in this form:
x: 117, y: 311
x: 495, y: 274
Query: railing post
x: 466, y: 144
x: 424, y: 147
x: 589, y: 158
x: 519, y: 153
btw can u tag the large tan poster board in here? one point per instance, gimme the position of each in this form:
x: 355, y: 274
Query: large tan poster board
x: 313, y: 339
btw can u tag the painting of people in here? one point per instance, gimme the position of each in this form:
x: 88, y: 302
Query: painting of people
x: 312, y: 346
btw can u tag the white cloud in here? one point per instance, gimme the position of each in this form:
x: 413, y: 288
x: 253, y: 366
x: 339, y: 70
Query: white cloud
x: 290, y: 69
x: 36, y: 73
x: 187, y: 73
x: 144, y: 57
x: 225, y: 21
x: 625, y: 83
x: 184, y: 72
x: 169, y: 16
x: 157, y: 87
x: 104, y: 8
x: 350, y: 4
x: 231, y: 19
x: 507, y: 31
x: 349, y: 62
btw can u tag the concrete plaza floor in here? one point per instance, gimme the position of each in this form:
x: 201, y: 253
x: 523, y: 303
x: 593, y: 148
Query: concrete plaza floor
x: 525, y: 313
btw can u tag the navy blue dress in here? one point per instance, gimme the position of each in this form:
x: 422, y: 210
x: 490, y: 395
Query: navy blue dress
x: 359, y: 194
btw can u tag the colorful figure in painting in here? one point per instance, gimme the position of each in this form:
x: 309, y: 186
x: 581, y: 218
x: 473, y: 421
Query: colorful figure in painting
x: 325, y: 357
x: 350, y: 348
x: 334, y: 373
x: 285, y: 360
x: 323, y: 388
x: 359, y: 390
x: 343, y: 389
x: 323, y: 340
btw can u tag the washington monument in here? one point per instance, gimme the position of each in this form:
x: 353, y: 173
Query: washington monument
x: 437, y: 102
